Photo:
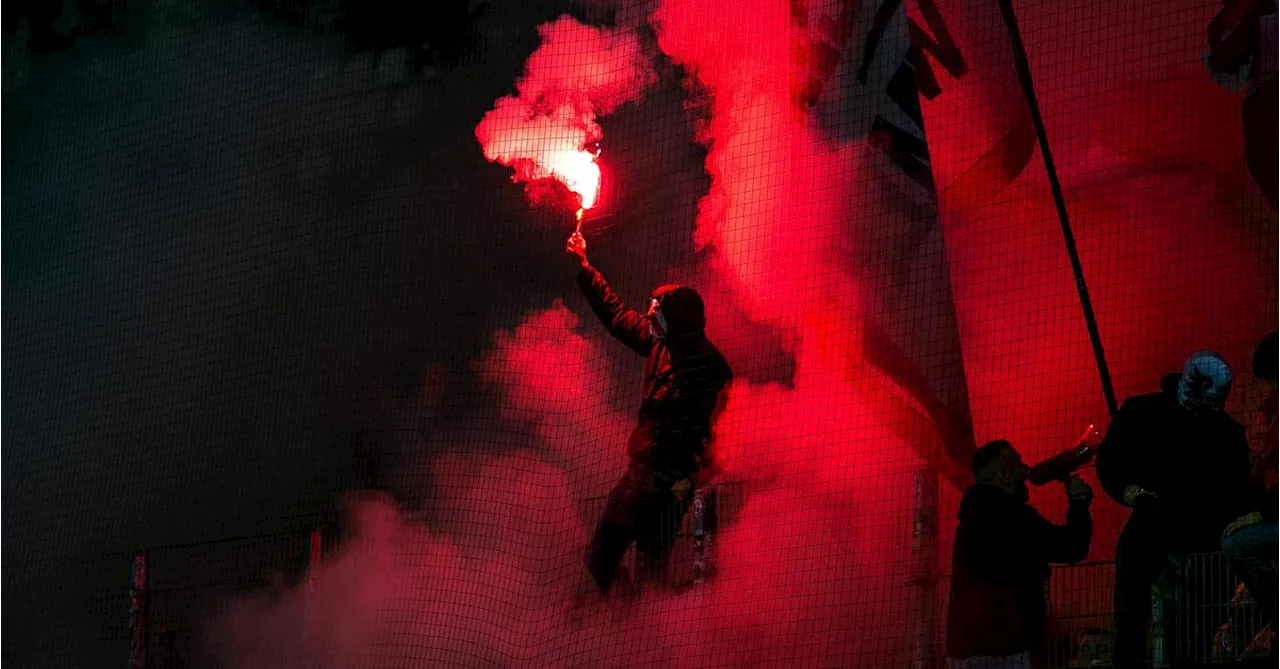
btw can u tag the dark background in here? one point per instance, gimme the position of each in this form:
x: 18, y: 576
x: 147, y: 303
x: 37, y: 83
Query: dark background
x: 241, y: 238
x: 248, y: 243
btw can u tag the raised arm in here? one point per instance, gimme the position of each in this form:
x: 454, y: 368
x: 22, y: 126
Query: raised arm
x: 626, y: 325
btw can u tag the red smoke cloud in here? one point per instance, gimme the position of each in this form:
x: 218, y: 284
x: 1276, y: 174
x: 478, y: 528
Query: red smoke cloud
x: 812, y: 558
x: 491, y: 578
x: 551, y: 376
x: 1177, y: 248
x: 776, y: 214
x: 578, y: 74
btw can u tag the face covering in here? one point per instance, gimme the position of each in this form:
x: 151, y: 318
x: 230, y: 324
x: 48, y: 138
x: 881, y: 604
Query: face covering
x: 1205, y: 382
x: 658, y: 322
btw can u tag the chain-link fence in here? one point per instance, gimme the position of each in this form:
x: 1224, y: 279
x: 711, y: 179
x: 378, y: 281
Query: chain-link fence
x: 239, y: 232
x: 1203, y: 615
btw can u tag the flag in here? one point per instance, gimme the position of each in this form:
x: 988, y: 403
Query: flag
x: 981, y: 135
x: 863, y: 84
x: 866, y: 88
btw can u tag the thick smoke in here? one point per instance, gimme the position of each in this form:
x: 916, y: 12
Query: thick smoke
x: 549, y: 376
x: 776, y: 215
x: 494, y: 576
x: 578, y: 74
x: 811, y: 561
x: 810, y: 558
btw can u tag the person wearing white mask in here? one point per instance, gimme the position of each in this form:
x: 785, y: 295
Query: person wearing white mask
x: 1181, y: 463
x: 685, y: 376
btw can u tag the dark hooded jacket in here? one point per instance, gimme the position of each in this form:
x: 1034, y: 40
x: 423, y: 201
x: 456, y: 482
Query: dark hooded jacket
x: 683, y: 378
x: 999, y: 567
x: 1197, y: 465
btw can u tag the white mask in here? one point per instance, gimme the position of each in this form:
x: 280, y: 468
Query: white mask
x: 658, y: 329
x: 1206, y: 382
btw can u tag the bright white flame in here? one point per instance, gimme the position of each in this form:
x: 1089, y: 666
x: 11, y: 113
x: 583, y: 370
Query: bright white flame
x: 578, y: 170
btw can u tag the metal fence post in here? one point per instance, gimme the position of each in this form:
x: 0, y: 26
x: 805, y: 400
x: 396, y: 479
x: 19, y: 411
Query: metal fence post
x: 138, y: 611
x: 699, y: 537
x: 1157, y: 628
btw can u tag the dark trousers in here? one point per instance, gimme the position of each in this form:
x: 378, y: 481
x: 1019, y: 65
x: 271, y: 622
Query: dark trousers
x: 1252, y: 552
x: 1142, y: 556
x: 640, y: 509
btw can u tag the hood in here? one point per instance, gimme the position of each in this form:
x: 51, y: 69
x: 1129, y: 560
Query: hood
x: 683, y: 309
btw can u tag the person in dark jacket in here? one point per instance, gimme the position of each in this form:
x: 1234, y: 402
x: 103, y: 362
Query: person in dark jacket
x: 1182, y: 465
x: 1250, y: 543
x: 1000, y: 563
x: 682, y: 393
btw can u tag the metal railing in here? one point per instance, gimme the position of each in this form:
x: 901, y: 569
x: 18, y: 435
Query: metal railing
x: 691, y: 559
x: 1200, y: 615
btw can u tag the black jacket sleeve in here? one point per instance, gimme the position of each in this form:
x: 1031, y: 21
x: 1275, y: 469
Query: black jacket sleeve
x: 1117, y: 453
x: 626, y: 325
x: 1069, y: 543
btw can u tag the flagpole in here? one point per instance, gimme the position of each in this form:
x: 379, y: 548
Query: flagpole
x: 1029, y: 92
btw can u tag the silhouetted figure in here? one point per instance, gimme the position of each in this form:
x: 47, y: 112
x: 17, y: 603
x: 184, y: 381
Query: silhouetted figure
x: 1182, y: 464
x: 683, y: 380
x: 1250, y: 543
x: 1000, y: 563
x: 1242, y: 55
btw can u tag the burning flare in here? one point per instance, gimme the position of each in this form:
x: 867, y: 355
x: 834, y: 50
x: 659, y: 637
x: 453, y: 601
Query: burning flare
x: 549, y: 128
x: 579, y: 171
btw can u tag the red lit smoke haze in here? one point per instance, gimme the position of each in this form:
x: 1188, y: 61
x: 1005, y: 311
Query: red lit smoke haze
x: 812, y: 567
x: 576, y: 75
x: 491, y: 580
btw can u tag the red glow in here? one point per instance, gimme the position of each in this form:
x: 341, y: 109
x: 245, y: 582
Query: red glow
x: 797, y: 226
x: 578, y: 170
x: 579, y: 73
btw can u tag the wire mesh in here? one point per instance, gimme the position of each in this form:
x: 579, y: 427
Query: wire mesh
x: 278, y: 267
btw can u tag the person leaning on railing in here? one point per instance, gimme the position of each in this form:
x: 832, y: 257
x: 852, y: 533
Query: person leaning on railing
x: 1250, y: 543
x: 1181, y: 463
